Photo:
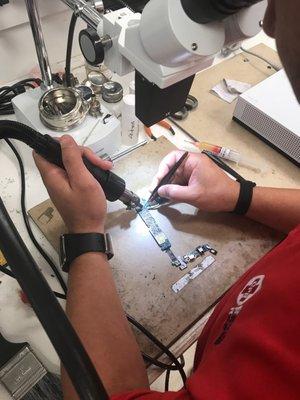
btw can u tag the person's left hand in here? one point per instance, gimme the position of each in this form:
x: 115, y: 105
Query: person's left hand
x: 75, y: 193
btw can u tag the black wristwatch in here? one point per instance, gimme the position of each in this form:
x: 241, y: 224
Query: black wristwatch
x: 74, y: 245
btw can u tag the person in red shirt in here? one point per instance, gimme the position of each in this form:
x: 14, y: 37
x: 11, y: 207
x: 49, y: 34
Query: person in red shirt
x: 250, y: 347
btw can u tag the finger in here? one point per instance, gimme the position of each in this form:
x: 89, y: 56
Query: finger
x: 176, y: 180
x: 50, y: 173
x: 175, y: 192
x: 93, y: 158
x: 166, y: 164
x: 73, y: 162
x: 96, y: 160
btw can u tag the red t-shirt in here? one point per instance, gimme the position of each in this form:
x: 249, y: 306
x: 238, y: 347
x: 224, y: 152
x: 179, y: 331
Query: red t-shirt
x: 250, y: 347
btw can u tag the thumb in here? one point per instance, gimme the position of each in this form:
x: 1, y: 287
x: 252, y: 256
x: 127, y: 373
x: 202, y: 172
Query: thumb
x: 175, y: 192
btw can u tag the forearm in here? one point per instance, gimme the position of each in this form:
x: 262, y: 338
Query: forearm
x: 95, y: 310
x: 277, y: 208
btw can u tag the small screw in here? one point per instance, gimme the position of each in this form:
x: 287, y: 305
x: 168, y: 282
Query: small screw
x: 194, y: 46
x: 261, y: 23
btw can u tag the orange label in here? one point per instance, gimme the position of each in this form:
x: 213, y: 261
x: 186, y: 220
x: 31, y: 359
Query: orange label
x: 2, y: 260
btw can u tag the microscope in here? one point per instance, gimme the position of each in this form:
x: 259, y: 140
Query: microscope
x: 166, y: 42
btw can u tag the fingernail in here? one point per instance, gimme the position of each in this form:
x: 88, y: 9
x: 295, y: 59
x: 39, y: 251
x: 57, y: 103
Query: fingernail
x: 163, y: 192
x: 66, y: 140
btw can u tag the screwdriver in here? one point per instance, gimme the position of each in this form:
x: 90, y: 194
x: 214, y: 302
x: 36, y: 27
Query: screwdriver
x: 114, y: 187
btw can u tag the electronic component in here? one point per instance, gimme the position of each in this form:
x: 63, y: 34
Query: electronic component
x: 207, y: 247
x: 159, y: 236
x: 199, y: 251
x: 179, y: 285
x: 173, y: 258
x: 187, y: 278
x: 158, y: 202
x: 191, y: 256
x: 176, y: 261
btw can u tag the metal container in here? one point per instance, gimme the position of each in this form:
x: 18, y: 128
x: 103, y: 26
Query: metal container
x: 95, y: 81
x: 61, y: 109
x: 86, y: 92
x: 112, y: 92
x: 102, y: 69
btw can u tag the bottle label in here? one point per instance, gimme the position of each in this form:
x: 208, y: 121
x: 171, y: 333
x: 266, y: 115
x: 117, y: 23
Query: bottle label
x: 225, y: 153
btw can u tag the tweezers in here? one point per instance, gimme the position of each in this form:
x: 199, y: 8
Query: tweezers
x: 168, y: 177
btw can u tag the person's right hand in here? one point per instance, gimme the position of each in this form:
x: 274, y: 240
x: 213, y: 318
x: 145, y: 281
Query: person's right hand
x: 199, y: 182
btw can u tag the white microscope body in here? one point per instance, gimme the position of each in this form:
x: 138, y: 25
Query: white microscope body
x: 163, y: 44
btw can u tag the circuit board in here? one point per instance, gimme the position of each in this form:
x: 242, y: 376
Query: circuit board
x: 159, y: 236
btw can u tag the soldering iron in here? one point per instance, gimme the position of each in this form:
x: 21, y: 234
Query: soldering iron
x: 114, y: 187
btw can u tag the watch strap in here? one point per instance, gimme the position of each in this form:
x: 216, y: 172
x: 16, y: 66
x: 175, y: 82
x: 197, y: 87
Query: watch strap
x: 245, y: 197
x: 74, y: 245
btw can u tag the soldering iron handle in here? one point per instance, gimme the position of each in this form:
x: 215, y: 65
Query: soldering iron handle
x: 112, y: 185
x: 49, y: 148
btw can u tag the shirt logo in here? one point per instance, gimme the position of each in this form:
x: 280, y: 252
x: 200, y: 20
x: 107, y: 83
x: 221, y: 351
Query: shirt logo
x: 250, y: 289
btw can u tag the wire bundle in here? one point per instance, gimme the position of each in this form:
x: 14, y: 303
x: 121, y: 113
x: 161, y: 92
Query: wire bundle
x: 7, y: 93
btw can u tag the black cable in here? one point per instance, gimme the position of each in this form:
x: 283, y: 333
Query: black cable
x: 160, y: 364
x: 125, y: 4
x: 168, y: 374
x: 146, y: 357
x: 8, y: 272
x: 69, y: 49
x: 7, y: 93
x: 60, y: 331
x: 26, y: 219
x: 167, y: 380
x: 160, y: 345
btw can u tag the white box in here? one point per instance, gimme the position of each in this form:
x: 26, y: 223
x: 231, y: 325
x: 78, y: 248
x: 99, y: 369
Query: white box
x: 271, y: 111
